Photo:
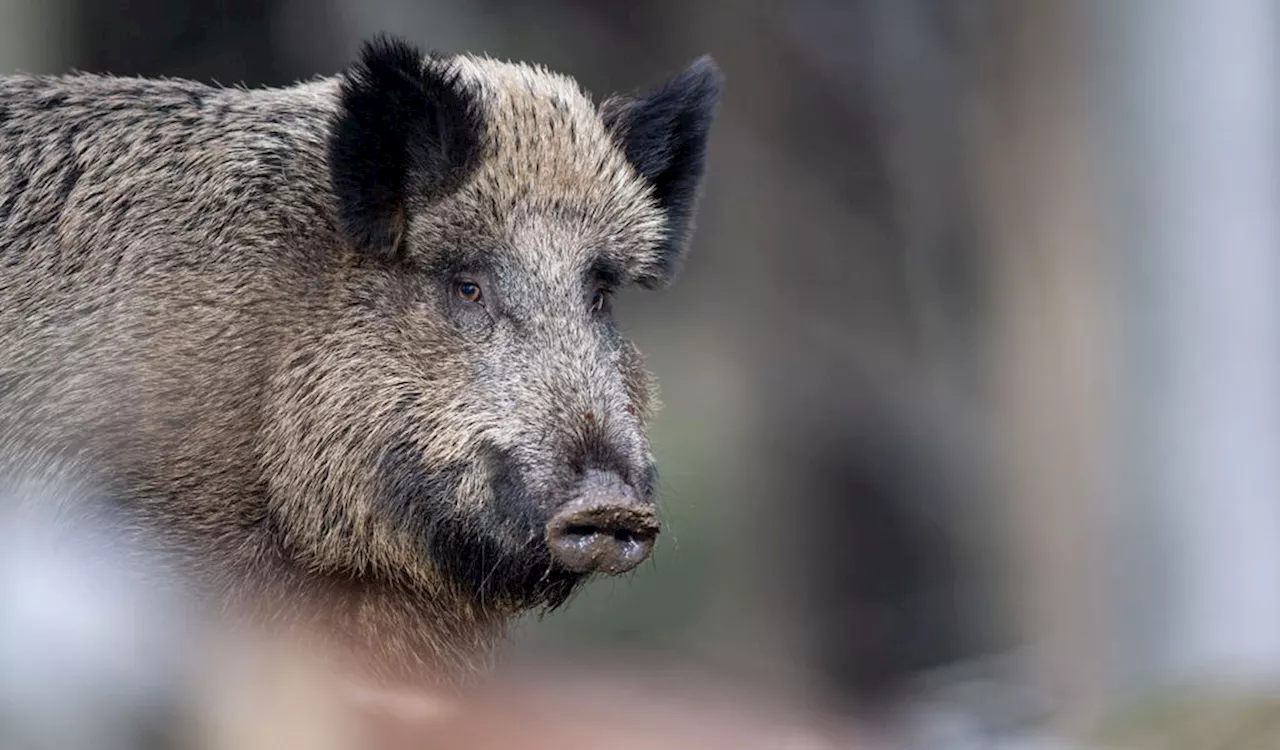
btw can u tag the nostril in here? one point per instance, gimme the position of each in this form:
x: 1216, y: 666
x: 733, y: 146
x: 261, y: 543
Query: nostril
x: 580, y: 530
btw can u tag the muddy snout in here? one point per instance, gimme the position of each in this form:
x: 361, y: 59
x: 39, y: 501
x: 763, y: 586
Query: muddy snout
x: 605, y: 528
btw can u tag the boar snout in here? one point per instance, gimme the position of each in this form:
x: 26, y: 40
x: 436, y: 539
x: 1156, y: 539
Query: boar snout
x: 606, y: 528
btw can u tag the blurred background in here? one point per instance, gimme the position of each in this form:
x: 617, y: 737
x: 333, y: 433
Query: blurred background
x: 972, y: 380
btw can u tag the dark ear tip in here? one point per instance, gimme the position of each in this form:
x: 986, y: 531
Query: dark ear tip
x: 707, y: 67
x: 705, y: 77
x: 385, y: 48
x: 380, y: 39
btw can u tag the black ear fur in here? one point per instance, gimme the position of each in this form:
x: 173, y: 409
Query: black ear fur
x: 405, y: 131
x: 664, y: 135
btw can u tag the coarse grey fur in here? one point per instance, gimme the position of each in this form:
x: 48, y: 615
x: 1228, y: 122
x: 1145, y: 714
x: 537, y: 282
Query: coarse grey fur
x: 239, y: 312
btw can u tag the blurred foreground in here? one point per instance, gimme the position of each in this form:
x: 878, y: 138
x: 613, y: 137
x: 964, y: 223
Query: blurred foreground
x: 97, y: 654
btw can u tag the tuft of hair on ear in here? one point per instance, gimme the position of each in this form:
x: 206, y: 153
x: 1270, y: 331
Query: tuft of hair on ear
x: 664, y: 135
x: 406, y: 132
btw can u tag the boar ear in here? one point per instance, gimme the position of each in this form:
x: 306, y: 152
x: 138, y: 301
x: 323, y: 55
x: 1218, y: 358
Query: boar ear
x: 664, y: 135
x: 406, y: 132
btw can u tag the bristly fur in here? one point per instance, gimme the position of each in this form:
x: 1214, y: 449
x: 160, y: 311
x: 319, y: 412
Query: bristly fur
x: 238, y: 310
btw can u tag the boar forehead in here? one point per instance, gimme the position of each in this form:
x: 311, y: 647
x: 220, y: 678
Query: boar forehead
x: 553, y: 186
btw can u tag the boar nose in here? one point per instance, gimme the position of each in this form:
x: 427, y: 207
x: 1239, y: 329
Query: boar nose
x: 606, y: 527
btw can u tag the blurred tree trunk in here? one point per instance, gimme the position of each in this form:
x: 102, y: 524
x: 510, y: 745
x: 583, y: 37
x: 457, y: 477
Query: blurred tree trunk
x: 1191, y: 142
x: 1050, y: 346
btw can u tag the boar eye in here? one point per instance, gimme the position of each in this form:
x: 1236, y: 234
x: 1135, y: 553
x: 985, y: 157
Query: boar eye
x: 467, y: 291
